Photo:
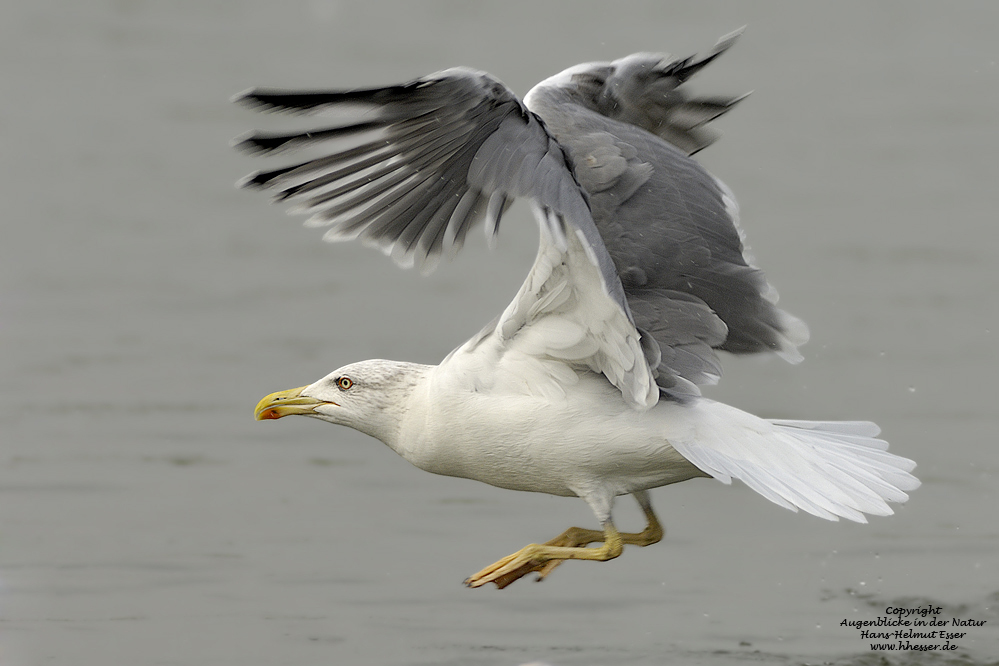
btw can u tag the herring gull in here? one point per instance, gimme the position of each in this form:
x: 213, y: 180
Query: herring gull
x: 587, y: 384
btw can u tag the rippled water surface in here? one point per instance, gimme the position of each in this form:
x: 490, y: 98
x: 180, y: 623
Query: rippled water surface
x: 146, y: 305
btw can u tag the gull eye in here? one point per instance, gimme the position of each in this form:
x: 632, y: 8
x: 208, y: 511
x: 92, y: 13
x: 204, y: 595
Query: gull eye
x: 344, y: 383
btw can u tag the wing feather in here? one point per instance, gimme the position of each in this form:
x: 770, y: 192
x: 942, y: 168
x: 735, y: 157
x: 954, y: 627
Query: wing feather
x: 671, y: 228
x: 603, y: 152
x: 410, y: 168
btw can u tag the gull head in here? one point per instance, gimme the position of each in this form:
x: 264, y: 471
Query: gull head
x: 369, y: 396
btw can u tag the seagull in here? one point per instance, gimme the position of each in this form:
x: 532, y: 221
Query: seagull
x: 587, y: 385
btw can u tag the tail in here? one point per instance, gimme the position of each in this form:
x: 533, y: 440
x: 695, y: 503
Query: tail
x: 830, y: 469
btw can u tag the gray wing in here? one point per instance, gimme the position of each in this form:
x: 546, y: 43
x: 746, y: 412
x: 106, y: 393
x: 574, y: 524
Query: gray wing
x: 646, y: 90
x: 678, y: 234
x: 670, y: 226
x: 410, y: 168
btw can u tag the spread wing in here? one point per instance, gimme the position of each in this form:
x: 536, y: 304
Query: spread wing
x: 410, y: 168
x: 679, y: 251
x: 671, y: 228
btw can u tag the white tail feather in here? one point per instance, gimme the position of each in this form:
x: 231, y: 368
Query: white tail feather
x: 829, y: 469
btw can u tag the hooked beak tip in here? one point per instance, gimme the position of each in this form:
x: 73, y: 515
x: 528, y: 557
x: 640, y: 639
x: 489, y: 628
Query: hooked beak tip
x: 285, y: 403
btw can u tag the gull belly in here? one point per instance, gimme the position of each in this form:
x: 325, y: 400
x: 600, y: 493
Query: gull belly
x: 587, y: 442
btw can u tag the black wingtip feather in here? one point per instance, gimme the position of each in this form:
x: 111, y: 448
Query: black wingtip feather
x: 276, y: 100
x: 258, y: 143
x: 253, y: 181
x: 264, y: 143
x: 285, y: 101
x: 241, y: 97
x: 684, y: 69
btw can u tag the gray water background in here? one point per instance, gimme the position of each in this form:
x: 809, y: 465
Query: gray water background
x: 146, y: 305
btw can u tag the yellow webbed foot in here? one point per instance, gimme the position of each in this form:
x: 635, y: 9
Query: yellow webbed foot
x: 510, y: 568
x: 570, y: 545
x: 543, y: 558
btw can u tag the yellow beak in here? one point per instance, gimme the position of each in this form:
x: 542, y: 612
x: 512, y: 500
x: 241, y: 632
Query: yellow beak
x: 285, y: 403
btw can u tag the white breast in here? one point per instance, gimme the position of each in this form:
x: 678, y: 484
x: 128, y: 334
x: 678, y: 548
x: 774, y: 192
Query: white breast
x: 586, y: 440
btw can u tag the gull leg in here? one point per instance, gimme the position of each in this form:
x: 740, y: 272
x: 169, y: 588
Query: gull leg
x: 572, y: 545
x: 535, y: 557
x: 580, y: 537
x: 653, y: 532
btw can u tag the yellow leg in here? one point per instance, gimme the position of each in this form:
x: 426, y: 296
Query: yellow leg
x: 579, y: 536
x: 535, y: 556
x: 570, y: 545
